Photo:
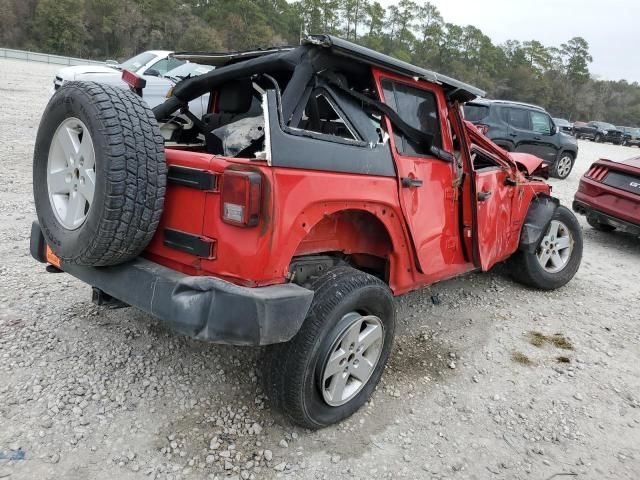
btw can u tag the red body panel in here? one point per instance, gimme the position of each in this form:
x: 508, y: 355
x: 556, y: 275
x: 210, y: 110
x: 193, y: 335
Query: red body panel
x: 432, y: 210
x: 528, y: 161
x: 610, y: 200
x: 424, y: 233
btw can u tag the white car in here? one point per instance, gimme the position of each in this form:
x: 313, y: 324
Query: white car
x: 152, y: 62
x: 156, y: 89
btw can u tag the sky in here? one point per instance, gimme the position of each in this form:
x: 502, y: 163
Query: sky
x: 612, y: 27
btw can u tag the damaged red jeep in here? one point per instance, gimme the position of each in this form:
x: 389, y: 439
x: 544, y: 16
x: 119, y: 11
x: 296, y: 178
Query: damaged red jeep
x: 324, y: 180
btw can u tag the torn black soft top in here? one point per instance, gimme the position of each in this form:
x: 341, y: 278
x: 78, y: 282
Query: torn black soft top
x: 455, y: 89
x: 194, y: 87
x: 317, y: 53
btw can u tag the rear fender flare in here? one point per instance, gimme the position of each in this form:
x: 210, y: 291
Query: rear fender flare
x: 377, y: 231
x: 541, y: 211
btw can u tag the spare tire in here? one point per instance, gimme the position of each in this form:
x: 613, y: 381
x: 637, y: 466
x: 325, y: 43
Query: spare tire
x: 99, y: 174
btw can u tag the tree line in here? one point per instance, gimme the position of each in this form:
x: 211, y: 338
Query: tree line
x: 555, y: 77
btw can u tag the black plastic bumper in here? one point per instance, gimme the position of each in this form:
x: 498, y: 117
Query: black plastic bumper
x: 604, y: 218
x: 206, y: 308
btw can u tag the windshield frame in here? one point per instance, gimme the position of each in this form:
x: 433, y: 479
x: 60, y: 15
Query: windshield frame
x: 132, y: 63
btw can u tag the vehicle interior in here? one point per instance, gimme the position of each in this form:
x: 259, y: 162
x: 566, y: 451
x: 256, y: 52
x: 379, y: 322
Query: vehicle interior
x: 309, y: 103
x: 320, y: 93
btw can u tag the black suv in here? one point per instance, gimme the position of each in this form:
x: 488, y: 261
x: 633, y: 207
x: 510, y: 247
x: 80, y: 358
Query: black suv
x: 564, y: 125
x: 631, y: 136
x: 520, y: 127
x: 599, y: 132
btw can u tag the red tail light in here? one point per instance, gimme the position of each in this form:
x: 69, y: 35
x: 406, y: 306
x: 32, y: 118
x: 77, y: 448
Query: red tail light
x: 133, y: 80
x: 484, y: 129
x: 241, y: 197
x: 597, y: 172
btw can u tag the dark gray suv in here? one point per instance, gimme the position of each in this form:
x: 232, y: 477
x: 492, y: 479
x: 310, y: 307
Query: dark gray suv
x: 521, y: 127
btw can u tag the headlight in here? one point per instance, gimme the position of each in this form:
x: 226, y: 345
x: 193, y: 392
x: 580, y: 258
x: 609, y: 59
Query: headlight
x: 604, y: 132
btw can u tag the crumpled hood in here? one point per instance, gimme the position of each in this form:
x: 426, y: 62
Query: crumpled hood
x: 69, y: 73
x: 526, y: 160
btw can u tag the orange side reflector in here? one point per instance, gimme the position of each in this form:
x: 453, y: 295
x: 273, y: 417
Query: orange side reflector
x: 52, y: 258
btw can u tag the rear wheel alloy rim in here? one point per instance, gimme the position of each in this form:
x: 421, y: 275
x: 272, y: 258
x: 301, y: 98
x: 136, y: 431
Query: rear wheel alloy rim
x: 556, y: 247
x: 352, y: 358
x: 564, y: 166
x: 71, y: 173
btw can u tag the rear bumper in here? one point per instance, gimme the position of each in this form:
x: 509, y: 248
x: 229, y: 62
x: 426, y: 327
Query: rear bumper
x: 605, y: 218
x: 206, y: 308
x: 613, y: 202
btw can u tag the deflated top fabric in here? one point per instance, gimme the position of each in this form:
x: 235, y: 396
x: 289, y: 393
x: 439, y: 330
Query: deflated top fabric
x: 192, y: 88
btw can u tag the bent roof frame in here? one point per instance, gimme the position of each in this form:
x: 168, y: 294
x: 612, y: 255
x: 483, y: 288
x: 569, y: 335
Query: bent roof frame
x: 454, y: 88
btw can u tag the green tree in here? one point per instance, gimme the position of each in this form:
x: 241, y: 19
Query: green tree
x: 556, y: 77
x: 60, y: 26
x: 576, y: 59
x: 200, y: 38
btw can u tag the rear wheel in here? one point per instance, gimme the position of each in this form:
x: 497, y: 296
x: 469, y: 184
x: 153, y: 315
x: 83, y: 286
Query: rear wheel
x: 556, y: 259
x: 333, y: 364
x: 563, y: 166
x: 602, y: 227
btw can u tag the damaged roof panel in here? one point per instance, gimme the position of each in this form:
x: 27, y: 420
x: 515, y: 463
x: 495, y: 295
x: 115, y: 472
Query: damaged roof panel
x: 345, y: 48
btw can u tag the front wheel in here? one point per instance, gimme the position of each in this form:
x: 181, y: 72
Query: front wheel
x: 563, y: 166
x: 557, y: 258
x: 333, y: 364
x: 597, y: 138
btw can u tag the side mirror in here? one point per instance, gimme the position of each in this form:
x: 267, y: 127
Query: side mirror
x: 152, y: 72
x: 554, y: 129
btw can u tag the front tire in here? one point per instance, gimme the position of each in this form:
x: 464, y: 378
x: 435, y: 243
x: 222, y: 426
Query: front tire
x: 557, y: 258
x: 563, y: 166
x: 597, y: 138
x: 333, y: 364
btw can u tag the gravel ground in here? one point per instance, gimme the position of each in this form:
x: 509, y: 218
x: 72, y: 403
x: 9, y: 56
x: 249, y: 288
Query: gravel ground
x: 478, y: 385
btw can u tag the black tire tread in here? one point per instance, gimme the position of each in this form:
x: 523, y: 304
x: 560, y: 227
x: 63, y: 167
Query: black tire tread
x: 555, y: 173
x: 525, y: 269
x: 281, y: 360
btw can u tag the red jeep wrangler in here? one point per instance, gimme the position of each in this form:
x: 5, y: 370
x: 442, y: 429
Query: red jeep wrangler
x: 326, y: 179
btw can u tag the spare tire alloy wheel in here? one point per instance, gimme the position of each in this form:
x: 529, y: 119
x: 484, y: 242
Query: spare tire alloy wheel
x: 99, y: 174
x: 71, y: 173
x: 555, y: 249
